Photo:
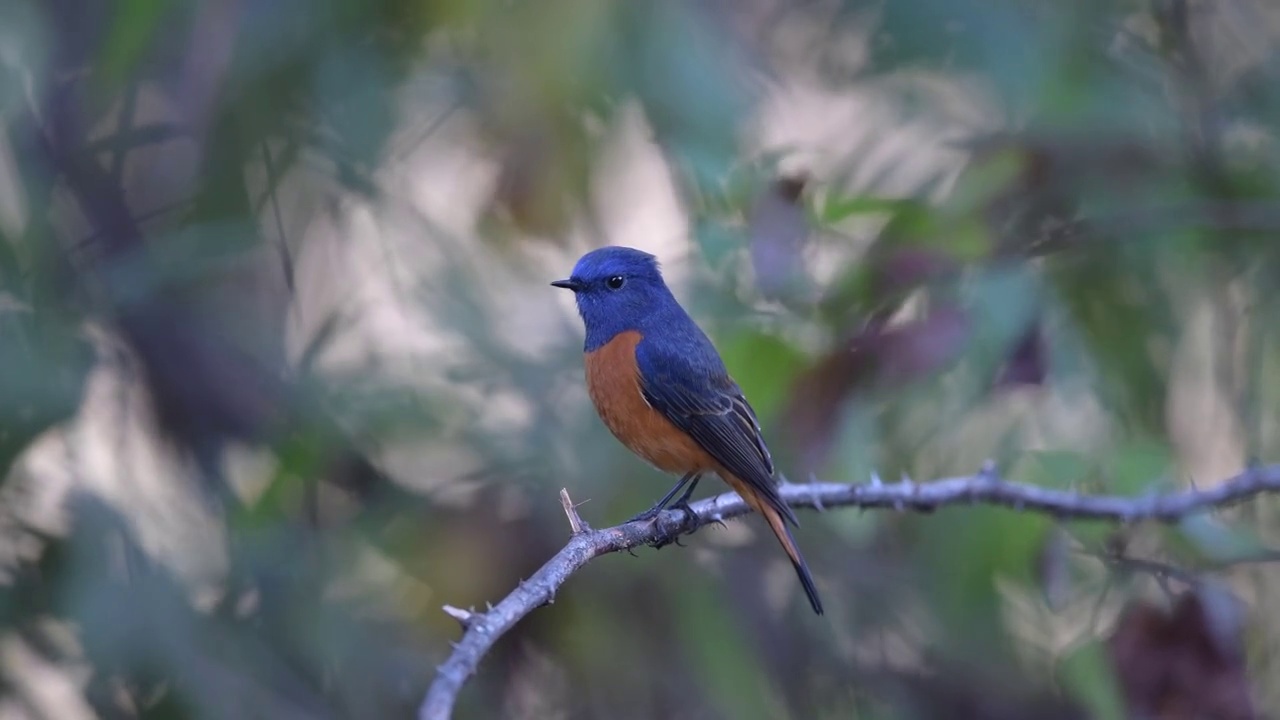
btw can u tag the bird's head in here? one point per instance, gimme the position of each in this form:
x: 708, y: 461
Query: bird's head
x: 616, y: 288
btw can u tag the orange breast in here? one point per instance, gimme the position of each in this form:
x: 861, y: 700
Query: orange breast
x: 613, y: 380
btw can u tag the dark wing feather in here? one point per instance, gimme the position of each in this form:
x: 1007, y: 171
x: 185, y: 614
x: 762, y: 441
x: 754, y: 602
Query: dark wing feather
x: 708, y: 405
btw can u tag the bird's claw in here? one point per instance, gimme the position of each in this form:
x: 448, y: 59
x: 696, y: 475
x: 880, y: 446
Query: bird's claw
x: 658, y: 545
x: 684, y: 507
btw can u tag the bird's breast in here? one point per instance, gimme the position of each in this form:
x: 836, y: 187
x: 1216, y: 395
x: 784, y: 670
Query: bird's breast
x: 613, y: 381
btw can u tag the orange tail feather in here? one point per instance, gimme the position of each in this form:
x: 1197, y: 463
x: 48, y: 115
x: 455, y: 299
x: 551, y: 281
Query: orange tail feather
x: 778, y: 524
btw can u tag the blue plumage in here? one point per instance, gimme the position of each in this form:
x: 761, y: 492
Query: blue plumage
x: 619, y: 293
x: 640, y: 302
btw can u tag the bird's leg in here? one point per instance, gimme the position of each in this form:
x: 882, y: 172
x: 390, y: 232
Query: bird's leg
x: 683, y: 502
x: 690, y: 479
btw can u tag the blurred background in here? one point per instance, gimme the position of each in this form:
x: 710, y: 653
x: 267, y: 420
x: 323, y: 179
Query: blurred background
x: 281, y: 373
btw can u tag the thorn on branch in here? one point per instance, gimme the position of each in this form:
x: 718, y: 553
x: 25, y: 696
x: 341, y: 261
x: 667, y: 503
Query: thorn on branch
x: 989, y: 471
x: 815, y: 495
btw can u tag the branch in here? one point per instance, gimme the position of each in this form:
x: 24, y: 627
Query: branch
x: 482, y: 629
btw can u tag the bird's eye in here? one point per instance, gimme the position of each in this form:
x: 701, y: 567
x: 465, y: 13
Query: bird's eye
x: 615, y: 282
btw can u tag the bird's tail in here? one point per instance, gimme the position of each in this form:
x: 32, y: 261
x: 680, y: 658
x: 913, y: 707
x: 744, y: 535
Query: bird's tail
x: 778, y: 523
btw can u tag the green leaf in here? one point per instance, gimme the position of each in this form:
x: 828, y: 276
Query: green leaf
x: 1139, y: 466
x: 836, y: 209
x: 764, y: 365
x: 726, y: 662
x: 683, y: 67
x: 134, y: 26
x: 1119, y: 312
x: 1004, y: 301
x: 10, y: 266
x: 962, y: 553
x: 1086, y: 673
x: 1221, y: 543
x: 718, y: 240
x: 1056, y: 468
x: 353, y: 88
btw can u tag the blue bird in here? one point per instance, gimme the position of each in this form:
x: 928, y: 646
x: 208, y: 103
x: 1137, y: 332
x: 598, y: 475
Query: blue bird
x: 661, y: 388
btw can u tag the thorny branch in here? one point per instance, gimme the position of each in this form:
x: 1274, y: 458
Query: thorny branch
x: 482, y: 629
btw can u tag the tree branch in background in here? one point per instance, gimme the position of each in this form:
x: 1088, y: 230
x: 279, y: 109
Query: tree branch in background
x: 482, y: 629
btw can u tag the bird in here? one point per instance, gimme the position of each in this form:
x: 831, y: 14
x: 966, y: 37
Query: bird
x: 661, y: 388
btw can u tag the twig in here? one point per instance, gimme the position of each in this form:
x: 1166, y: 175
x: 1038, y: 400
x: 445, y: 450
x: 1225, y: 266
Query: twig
x: 1191, y: 576
x: 576, y: 524
x: 1161, y: 572
x: 282, y: 240
x: 987, y: 488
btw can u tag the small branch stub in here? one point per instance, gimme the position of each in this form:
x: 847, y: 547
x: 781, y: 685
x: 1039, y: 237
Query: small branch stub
x: 571, y: 511
x: 464, y: 617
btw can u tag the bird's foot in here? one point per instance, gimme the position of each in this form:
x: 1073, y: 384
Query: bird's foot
x: 688, y: 482
x: 682, y: 506
x: 673, y: 540
x: 653, y: 512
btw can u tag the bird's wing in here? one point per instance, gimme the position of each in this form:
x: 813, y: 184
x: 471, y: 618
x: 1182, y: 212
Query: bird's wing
x: 703, y: 401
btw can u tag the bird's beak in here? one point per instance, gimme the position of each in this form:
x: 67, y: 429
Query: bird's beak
x: 569, y: 284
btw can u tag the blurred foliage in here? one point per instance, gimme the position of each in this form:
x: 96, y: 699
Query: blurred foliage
x: 280, y: 373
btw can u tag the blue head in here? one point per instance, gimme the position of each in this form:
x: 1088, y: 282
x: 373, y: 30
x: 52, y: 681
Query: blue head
x: 618, y: 289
